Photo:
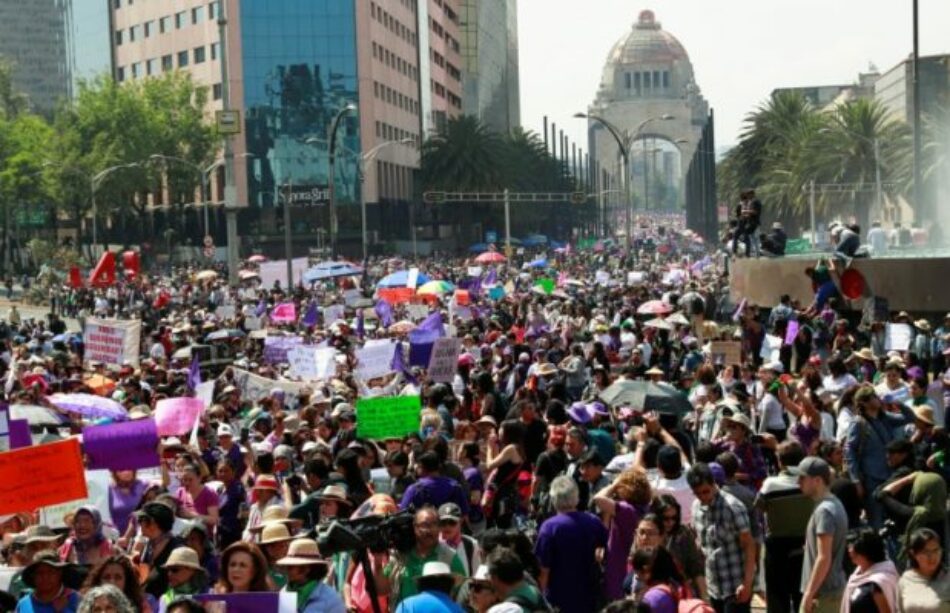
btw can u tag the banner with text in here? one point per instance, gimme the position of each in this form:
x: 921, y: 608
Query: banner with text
x: 390, y: 417
x: 444, y: 361
x: 40, y: 476
x: 111, y: 341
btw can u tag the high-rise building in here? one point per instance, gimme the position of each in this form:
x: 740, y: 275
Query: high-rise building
x: 52, y: 44
x: 490, y: 62
x: 292, y: 68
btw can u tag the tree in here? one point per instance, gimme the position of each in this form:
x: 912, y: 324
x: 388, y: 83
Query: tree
x: 12, y: 101
x: 465, y: 157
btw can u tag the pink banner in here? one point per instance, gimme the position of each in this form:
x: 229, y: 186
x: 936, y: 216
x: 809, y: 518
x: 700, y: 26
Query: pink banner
x: 177, y: 415
x: 284, y: 312
x: 791, y: 332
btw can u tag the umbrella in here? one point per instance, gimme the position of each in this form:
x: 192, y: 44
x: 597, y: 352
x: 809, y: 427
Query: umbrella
x: 257, y: 259
x: 436, y: 287
x: 99, y: 384
x: 490, y: 257
x: 90, y: 405
x: 654, y: 307
x: 244, y: 275
x: 648, y: 396
x: 206, y: 275
x: 659, y: 324
x: 400, y: 278
x: 35, y: 414
x: 575, y: 283
x: 678, y: 319
x: 538, y: 263
x: 402, y: 327
x: 222, y: 335
x: 330, y: 270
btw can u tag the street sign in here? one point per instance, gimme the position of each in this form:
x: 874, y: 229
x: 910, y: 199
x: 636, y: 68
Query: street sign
x: 306, y: 195
x: 228, y: 121
x: 434, y: 197
x: 578, y: 198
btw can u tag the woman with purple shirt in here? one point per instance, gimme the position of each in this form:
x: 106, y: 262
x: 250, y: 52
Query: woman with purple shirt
x: 621, y: 505
x: 656, y: 570
x: 807, y: 430
x: 125, y: 494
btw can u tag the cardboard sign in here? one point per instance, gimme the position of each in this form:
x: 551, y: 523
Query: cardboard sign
x: 112, y: 342
x: 252, y: 323
x: 897, y: 337
x: 127, y: 445
x: 40, y: 476
x: 277, y: 347
x: 389, y: 417
x: 726, y: 353
x: 417, y: 312
x: 375, y: 360
x: 175, y: 416
x: 97, y: 487
x: 444, y: 361
x: 333, y: 313
x: 254, y: 387
x: 771, y: 348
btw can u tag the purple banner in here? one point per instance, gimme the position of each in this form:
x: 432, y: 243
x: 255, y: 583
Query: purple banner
x: 276, y: 348
x: 247, y: 602
x: 791, y: 332
x: 20, y: 434
x: 128, y: 445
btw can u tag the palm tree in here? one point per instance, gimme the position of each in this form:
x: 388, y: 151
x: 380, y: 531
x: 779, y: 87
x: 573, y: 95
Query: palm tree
x: 465, y: 157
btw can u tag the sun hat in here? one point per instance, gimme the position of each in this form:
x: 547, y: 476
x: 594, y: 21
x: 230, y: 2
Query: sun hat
x: 435, y: 569
x: 922, y: 325
x: 39, y: 534
x: 275, y: 514
x: 487, y: 420
x: 655, y: 371
x: 334, y: 493
x: 865, y: 353
x: 275, y: 532
x: 184, y: 557
x: 302, y: 552
x: 924, y: 413
x: 51, y: 559
x: 739, y: 418
x: 225, y: 430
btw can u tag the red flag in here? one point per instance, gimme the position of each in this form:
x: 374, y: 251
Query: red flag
x: 104, y: 273
x: 75, y: 277
x: 130, y: 262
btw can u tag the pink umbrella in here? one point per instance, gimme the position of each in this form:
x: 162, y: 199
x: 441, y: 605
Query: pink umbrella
x: 654, y: 307
x: 490, y: 257
x: 257, y: 259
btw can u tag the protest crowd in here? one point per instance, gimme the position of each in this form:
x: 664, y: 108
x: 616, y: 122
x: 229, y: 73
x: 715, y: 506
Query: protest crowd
x: 574, y: 429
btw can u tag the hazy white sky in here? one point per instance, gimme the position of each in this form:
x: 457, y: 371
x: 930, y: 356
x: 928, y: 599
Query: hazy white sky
x: 741, y: 49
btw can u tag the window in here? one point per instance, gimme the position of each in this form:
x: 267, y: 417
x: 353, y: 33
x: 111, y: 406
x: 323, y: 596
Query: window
x: 216, y: 91
x: 168, y: 63
x: 151, y: 67
x: 117, y: 4
x: 656, y: 79
x: 213, y: 10
x: 666, y: 79
x: 134, y: 33
x: 181, y: 20
x: 636, y: 82
x: 136, y: 70
x: 199, y: 55
x: 215, y: 47
x: 148, y: 28
x: 118, y: 38
x: 197, y: 16
x: 626, y: 79
x: 165, y: 24
x: 120, y: 74
x: 182, y: 59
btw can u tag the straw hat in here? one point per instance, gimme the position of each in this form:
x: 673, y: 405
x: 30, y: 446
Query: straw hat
x: 266, y: 482
x: 39, y: 534
x: 925, y: 414
x: 184, y: 557
x: 334, y: 493
x: 654, y: 371
x: 740, y: 418
x: 923, y: 325
x: 51, y: 558
x: 275, y: 532
x: 302, y: 552
x: 275, y: 514
x: 865, y: 353
x: 547, y: 369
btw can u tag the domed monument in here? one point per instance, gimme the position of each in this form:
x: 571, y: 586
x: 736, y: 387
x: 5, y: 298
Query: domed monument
x: 649, y: 97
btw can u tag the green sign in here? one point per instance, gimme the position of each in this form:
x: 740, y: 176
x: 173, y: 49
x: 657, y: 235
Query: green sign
x: 795, y: 246
x: 36, y: 217
x: 546, y: 284
x: 390, y: 417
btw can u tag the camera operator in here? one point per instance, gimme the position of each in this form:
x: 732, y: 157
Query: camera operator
x: 398, y: 577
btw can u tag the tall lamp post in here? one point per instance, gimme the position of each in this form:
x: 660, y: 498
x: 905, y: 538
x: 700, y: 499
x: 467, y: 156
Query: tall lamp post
x: 331, y: 138
x: 625, y: 140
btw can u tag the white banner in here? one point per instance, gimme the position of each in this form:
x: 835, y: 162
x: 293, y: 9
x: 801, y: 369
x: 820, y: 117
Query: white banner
x: 771, y: 346
x: 444, y: 360
x: 254, y: 387
x: 417, y: 312
x: 312, y: 363
x: 897, y: 337
x: 225, y: 311
x: 474, y: 271
x: 375, y: 360
x: 205, y: 393
x: 332, y: 313
x: 277, y: 271
x: 97, y: 485
x: 112, y: 341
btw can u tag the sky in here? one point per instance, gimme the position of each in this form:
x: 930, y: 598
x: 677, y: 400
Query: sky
x: 740, y: 49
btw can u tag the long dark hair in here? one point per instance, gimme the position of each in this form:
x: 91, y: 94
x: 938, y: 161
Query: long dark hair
x: 916, y: 543
x: 260, y: 582
x: 660, y: 564
x: 132, y: 589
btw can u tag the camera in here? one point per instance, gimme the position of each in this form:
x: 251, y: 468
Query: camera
x: 377, y: 533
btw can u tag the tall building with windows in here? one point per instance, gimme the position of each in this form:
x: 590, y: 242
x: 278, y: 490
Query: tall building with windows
x: 489, y: 30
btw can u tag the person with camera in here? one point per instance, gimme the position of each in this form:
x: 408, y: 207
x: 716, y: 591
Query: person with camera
x: 397, y: 578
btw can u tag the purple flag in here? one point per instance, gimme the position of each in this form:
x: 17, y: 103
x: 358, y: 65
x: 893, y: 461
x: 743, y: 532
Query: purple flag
x: 360, y: 326
x: 261, y: 308
x: 20, y: 433
x: 385, y: 313
x: 128, y: 445
x: 194, y: 374
x: 422, y: 339
x: 399, y: 364
x: 491, y: 278
x: 310, y: 318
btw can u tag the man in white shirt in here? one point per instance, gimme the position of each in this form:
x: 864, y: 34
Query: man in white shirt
x: 877, y: 239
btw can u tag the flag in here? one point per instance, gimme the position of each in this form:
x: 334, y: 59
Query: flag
x: 311, y: 317
x: 399, y: 364
x: 491, y: 278
x: 360, y: 326
x: 738, y: 313
x: 194, y: 374
x: 385, y: 313
x: 422, y: 339
x: 285, y: 312
x: 261, y: 308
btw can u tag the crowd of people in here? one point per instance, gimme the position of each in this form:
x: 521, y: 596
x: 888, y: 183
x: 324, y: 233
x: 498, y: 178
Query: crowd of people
x: 619, y: 435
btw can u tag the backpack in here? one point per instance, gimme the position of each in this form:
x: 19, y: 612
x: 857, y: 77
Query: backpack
x: 540, y: 606
x: 684, y: 601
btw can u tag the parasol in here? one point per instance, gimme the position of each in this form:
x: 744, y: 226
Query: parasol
x: 646, y: 395
x: 90, y: 405
x: 436, y: 287
x: 654, y: 307
x: 244, y: 275
x: 206, y: 275
x: 99, y: 384
x: 659, y: 324
x: 490, y: 257
x: 223, y: 335
x: 400, y: 278
x: 257, y: 259
x: 677, y: 318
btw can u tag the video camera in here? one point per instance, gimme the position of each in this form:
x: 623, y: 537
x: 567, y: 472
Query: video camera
x: 376, y: 533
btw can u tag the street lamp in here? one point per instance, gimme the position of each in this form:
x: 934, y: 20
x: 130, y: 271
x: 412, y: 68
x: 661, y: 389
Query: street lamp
x: 331, y: 138
x: 625, y: 140
x: 94, y: 182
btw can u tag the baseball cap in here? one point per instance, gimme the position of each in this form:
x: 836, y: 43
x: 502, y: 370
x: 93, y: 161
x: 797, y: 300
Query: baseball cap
x: 812, y: 466
x: 450, y: 512
x: 225, y: 430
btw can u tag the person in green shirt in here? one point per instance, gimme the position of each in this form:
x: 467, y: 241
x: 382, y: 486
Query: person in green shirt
x: 507, y: 574
x: 397, y: 578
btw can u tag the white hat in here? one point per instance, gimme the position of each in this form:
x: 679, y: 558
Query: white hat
x: 225, y: 430
x: 774, y: 366
x: 436, y: 569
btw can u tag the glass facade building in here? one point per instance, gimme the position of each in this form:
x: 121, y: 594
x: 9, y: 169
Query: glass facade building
x: 299, y: 69
x: 89, y: 40
x: 489, y: 32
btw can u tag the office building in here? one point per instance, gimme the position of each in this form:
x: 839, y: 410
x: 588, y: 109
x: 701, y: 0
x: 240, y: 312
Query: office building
x: 489, y: 30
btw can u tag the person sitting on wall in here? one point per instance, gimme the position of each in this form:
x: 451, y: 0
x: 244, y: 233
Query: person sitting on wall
x: 774, y: 241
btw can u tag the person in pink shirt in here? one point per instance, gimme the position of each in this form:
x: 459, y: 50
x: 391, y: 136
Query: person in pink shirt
x: 196, y: 500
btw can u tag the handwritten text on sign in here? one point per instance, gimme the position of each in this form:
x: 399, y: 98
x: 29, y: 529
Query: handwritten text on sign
x: 59, y: 465
x: 112, y: 342
x: 444, y: 360
x: 391, y: 417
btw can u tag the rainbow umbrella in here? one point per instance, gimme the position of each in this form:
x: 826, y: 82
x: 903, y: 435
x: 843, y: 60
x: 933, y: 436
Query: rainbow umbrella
x: 438, y: 286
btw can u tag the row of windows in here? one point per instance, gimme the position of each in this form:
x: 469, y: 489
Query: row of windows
x: 394, y: 180
x: 441, y: 32
x: 441, y: 62
x: 385, y: 131
x: 439, y: 90
x: 393, y: 24
x: 639, y: 81
x: 166, y: 24
x: 391, y: 96
x: 394, y: 61
x: 448, y: 12
x: 198, y: 55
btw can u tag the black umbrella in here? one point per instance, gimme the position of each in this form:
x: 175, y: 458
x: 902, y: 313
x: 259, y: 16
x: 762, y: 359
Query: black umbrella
x: 648, y: 396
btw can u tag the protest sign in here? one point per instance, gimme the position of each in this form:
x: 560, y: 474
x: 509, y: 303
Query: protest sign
x: 351, y: 297
x: 725, y: 353
x: 791, y: 332
x: 112, y: 342
x: 20, y: 434
x: 444, y: 360
x: 333, y: 312
x: 175, y: 416
x: 252, y: 602
x: 35, y: 477
x: 897, y: 337
x: 97, y: 488
x: 389, y: 417
x: 252, y: 323
x: 276, y: 271
x: 474, y: 271
x: 276, y: 348
x: 635, y: 277
x: 602, y: 277
x: 374, y: 360
x: 205, y: 393
x: 417, y: 312
x: 225, y: 311
x: 771, y: 348
x: 312, y: 363
x: 254, y: 387
x: 126, y: 445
